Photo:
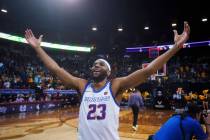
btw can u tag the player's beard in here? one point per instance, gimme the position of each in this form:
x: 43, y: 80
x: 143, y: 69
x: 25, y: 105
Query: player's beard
x: 99, y: 78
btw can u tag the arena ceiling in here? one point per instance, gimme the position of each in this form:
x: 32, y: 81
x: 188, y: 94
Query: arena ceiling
x: 71, y: 21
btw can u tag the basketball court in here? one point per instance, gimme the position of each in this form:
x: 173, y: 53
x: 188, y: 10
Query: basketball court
x: 62, y: 124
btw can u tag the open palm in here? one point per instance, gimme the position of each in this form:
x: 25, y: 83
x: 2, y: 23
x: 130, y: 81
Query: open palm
x: 32, y: 40
x: 181, y: 39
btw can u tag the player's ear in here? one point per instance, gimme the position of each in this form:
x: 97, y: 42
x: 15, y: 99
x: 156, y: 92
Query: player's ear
x: 108, y: 73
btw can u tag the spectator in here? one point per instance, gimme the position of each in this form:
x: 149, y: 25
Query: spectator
x: 19, y: 98
x: 135, y: 102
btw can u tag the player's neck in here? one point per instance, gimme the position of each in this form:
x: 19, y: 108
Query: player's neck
x: 98, y: 85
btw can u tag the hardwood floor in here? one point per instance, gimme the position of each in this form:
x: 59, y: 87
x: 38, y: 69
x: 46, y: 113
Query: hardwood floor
x: 62, y: 124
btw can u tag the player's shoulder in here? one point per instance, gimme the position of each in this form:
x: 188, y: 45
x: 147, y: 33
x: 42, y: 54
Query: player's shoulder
x: 83, y: 83
x: 115, y: 85
x: 116, y: 80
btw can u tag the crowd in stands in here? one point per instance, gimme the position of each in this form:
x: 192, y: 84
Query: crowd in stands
x: 21, y: 69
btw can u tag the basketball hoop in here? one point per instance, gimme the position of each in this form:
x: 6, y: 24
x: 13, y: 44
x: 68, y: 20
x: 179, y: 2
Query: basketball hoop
x: 153, y: 52
x: 161, y: 72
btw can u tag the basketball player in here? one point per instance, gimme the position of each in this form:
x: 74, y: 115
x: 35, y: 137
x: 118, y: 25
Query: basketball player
x: 99, y: 112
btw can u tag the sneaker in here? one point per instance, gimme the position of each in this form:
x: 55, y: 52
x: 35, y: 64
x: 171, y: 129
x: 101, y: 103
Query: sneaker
x: 135, y: 128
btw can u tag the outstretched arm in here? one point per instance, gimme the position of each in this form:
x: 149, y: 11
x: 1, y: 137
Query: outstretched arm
x: 141, y: 75
x: 63, y: 75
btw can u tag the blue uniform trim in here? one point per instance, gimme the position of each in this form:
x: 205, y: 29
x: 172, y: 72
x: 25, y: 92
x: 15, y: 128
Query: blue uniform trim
x: 110, y: 88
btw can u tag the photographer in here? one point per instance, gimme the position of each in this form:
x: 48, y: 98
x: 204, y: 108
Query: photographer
x: 184, y: 126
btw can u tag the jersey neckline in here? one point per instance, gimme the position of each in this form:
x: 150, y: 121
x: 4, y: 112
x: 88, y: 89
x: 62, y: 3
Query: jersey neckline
x: 99, y: 90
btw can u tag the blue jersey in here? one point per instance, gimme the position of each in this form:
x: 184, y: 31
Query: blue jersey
x: 171, y: 129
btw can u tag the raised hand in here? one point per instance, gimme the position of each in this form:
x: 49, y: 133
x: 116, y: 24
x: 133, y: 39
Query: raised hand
x: 179, y: 40
x: 32, y: 40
